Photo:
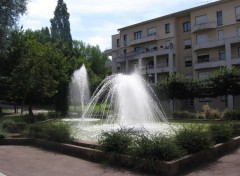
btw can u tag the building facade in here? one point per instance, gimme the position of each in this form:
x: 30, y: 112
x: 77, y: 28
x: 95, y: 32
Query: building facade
x: 193, y: 42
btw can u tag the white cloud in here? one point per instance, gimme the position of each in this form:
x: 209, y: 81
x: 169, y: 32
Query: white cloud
x: 94, y: 21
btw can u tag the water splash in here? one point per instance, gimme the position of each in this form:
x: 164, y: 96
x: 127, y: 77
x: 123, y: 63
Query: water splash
x: 125, y: 100
x: 79, y: 90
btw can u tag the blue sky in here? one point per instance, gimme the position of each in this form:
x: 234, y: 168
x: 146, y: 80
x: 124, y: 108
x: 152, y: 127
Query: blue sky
x: 95, y: 21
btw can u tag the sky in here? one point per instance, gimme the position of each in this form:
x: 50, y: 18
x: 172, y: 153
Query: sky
x: 95, y: 21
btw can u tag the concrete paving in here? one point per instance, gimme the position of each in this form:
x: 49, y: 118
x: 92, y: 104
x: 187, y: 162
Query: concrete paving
x: 228, y: 165
x: 29, y: 161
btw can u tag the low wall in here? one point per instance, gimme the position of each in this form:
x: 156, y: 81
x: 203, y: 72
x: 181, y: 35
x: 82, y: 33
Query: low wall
x: 88, y: 151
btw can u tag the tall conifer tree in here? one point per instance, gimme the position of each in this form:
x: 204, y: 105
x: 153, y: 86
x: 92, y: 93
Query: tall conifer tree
x: 60, y: 25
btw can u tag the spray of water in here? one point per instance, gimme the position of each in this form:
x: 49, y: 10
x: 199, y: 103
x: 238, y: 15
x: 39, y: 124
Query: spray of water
x: 79, y: 90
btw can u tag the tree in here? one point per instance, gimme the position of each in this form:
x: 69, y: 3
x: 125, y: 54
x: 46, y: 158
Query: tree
x: 60, y: 25
x: 39, y: 72
x: 9, y: 14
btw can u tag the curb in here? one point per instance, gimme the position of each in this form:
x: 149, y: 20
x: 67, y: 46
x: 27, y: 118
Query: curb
x: 88, y: 151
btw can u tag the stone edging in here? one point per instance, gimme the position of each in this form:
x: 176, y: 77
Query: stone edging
x: 150, y: 166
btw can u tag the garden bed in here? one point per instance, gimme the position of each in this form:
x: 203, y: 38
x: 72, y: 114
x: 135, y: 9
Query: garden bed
x: 88, y: 151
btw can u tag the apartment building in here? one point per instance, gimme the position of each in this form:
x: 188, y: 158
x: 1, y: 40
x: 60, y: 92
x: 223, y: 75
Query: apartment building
x: 193, y: 42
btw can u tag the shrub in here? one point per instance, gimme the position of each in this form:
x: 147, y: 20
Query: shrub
x: 2, y: 134
x: 117, y: 141
x: 193, y: 139
x: 210, y: 113
x: 183, y: 115
x: 220, y: 132
x: 235, y: 129
x: 156, y: 147
x: 53, y: 115
x: 55, y: 131
x: 9, y: 126
x: 231, y: 115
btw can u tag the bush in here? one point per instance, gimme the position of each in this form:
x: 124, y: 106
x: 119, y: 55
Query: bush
x: 235, y: 129
x: 210, y: 113
x: 183, y: 115
x: 220, y: 132
x: 156, y: 147
x: 53, y: 115
x: 2, y: 134
x: 116, y: 141
x: 193, y: 139
x: 9, y: 126
x: 231, y: 115
x: 12, y: 126
x: 55, y: 131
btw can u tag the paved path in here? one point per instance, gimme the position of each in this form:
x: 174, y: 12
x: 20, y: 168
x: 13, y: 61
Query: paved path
x: 30, y: 161
x: 228, y: 165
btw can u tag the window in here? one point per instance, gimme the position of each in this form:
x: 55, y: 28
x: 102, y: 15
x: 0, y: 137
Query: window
x: 189, y: 76
x: 187, y: 43
x: 167, y: 28
x: 220, y: 35
x: 125, y: 40
x: 188, y: 61
x: 186, y: 26
x: 125, y: 52
x: 221, y: 55
x: 204, y: 57
x: 118, y: 44
x: 137, y: 35
x: 201, y: 19
x: 203, y: 75
x: 238, y: 14
x: 189, y: 103
x: 152, y: 31
x: 202, y: 38
x: 219, y: 18
x: 138, y: 49
x: 238, y: 31
x: 206, y: 99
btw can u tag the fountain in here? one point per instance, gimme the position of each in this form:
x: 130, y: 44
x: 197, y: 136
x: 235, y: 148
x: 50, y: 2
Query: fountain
x: 119, y: 101
x: 79, y: 91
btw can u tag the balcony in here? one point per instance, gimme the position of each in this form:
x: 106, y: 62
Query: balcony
x: 135, y: 55
x: 204, y: 26
x: 210, y: 64
x: 150, y: 37
x: 235, y: 60
x: 208, y: 44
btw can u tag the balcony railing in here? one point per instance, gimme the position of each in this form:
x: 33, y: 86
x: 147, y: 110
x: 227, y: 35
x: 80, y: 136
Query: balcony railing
x: 204, y: 26
x: 212, y: 43
x: 210, y: 63
x: 145, y: 53
x: 149, y: 37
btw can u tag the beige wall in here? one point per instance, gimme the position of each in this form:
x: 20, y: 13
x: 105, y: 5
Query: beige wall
x: 177, y: 37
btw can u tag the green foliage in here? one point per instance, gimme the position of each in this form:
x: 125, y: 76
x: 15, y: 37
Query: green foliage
x: 235, y: 128
x: 55, y: 131
x: 210, y: 113
x: 183, y: 115
x: 225, y: 81
x: 117, y: 141
x: 221, y: 132
x: 60, y: 25
x: 2, y: 133
x: 156, y: 147
x: 231, y: 115
x: 12, y: 126
x: 9, y: 13
x: 177, y: 86
x: 193, y: 139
